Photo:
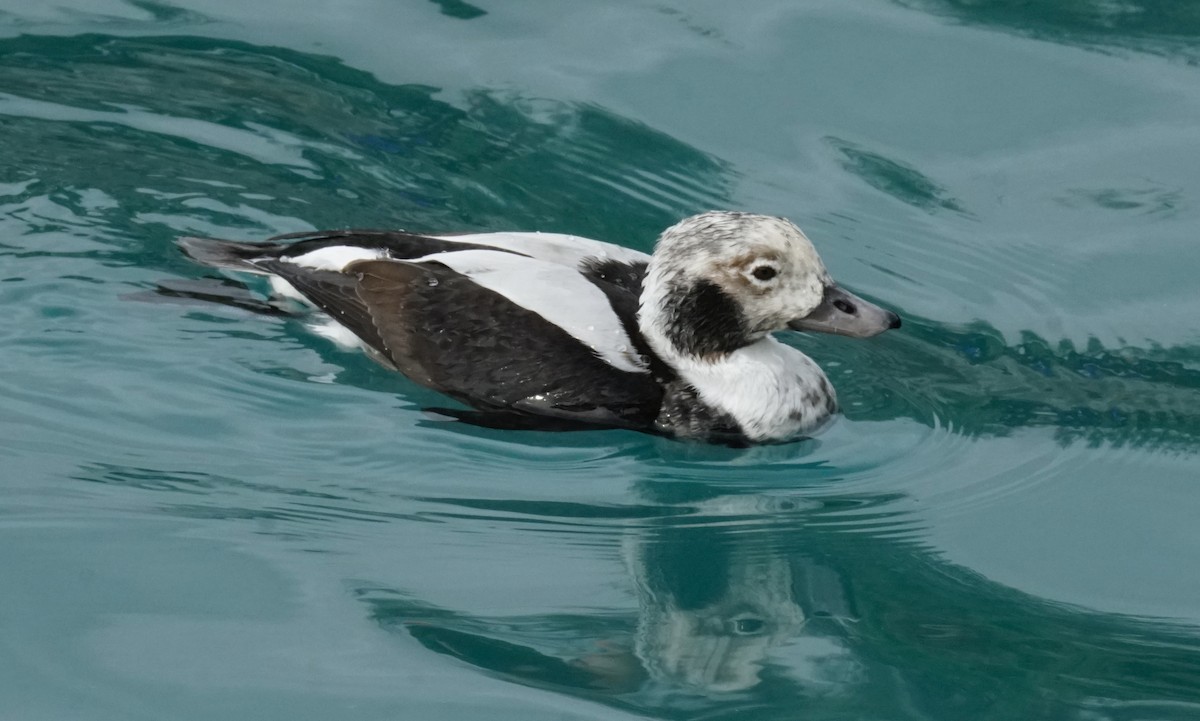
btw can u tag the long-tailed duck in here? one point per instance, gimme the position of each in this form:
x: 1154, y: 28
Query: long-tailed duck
x: 534, y: 329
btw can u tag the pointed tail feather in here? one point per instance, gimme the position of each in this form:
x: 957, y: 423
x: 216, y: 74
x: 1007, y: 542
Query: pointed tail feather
x: 222, y: 253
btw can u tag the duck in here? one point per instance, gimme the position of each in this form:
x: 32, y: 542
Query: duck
x: 555, y: 331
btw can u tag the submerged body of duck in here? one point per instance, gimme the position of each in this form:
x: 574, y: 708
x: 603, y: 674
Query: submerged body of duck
x: 533, y: 329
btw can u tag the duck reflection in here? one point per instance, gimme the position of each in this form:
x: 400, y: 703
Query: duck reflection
x: 716, y: 638
x: 713, y: 605
x: 711, y: 611
x: 777, y: 606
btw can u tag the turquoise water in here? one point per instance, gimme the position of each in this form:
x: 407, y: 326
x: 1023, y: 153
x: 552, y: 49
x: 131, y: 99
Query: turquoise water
x: 207, y: 513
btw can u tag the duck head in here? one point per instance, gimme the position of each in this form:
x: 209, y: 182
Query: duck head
x: 720, y: 281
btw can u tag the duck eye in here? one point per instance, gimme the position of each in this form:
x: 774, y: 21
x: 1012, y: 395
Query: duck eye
x: 764, y: 272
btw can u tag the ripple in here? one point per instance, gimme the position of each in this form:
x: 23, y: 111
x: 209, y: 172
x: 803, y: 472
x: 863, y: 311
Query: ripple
x: 1140, y: 25
x: 603, y: 568
x: 264, y: 147
x: 897, y: 179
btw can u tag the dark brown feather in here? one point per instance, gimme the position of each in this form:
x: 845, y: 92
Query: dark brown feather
x: 446, y: 331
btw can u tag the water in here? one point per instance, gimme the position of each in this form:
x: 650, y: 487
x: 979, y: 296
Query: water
x: 208, y: 513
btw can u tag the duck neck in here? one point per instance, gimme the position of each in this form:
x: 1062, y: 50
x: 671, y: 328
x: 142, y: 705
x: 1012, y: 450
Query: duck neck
x: 772, y: 391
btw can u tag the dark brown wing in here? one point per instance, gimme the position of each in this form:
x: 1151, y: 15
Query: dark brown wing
x: 443, y: 330
x: 333, y: 292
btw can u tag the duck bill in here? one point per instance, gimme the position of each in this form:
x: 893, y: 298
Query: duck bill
x: 843, y: 313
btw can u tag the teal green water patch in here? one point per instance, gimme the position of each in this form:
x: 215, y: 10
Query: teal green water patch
x: 893, y: 177
x: 209, y: 512
x: 459, y: 9
x: 1169, y: 26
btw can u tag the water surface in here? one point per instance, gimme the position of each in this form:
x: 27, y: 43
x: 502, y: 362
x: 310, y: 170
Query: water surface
x: 208, y: 513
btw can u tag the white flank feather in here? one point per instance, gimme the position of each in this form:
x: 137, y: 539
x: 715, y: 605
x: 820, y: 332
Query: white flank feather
x: 341, y: 335
x: 336, y: 257
x: 284, y: 289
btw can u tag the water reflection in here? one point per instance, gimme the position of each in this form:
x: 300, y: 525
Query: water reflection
x: 754, y: 602
x: 981, y: 383
x: 302, y: 129
x: 740, y: 599
x: 1169, y: 27
x: 895, y: 178
x: 459, y: 9
x: 712, y: 610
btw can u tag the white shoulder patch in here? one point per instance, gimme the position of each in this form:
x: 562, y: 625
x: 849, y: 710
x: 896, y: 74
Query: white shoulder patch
x: 560, y: 295
x: 551, y: 247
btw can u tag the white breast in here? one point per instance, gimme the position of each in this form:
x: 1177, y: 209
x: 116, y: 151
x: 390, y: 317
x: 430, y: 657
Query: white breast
x: 772, y: 390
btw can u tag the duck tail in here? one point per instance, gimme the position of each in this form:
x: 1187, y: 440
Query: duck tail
x: 222, y: 253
